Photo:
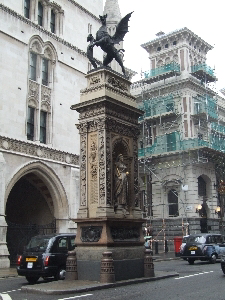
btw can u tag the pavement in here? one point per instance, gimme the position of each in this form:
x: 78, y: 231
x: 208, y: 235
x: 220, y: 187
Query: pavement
x: 79, y: 286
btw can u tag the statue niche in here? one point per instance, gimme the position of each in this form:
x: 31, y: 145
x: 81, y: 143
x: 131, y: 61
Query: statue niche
x: 121, y: 183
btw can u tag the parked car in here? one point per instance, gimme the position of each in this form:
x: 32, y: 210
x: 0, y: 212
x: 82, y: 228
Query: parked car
x: 45, y: 256
x: 183, y: 244
x: 223, y: 263
x: 204, y: 247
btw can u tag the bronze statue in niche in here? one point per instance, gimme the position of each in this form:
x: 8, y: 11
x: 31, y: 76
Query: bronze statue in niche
x: 121, y: 182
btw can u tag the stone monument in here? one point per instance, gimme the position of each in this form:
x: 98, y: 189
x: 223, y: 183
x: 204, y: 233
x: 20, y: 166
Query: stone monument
x: 109, y: 218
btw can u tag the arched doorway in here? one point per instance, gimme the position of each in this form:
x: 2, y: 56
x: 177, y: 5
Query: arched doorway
x: 35, y: 200
x: 29, y: 211
x: 202, y: 192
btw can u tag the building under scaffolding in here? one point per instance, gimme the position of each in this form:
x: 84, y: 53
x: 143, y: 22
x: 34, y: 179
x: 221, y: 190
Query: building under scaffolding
x: 182, y: 142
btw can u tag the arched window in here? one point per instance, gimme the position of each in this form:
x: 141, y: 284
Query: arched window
x: 173, y: 203
x: 39, y: 99
x: 201, y: 186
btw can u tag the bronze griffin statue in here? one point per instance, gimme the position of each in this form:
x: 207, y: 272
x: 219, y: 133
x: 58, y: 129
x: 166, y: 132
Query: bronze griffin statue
x: 107, y: 42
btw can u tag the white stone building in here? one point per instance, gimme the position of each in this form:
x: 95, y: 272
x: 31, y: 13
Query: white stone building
x: 43, y: 62
x: 181, y: 149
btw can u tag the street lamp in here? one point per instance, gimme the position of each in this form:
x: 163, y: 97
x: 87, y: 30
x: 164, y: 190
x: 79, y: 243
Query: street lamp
x: 218, y: 211
x: 198, y: 209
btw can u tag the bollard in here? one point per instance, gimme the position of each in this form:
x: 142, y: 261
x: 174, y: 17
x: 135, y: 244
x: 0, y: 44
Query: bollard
x: 148, y: 264
x: 156, y: 248
x: 71, y: 266
x: 107, y: 274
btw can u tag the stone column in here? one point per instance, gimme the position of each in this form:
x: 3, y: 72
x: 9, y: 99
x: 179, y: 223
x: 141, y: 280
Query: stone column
x: 4, y: 253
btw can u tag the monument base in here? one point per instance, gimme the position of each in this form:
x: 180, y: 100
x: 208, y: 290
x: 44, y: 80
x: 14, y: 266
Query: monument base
x: 123, y: 237
x: 124, y: 269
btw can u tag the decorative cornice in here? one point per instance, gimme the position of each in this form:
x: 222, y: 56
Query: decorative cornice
x: 174, y: 86
x: 43, y: 30
x: 38, y: 151
x: 84, y: 9
x: 175, y: 33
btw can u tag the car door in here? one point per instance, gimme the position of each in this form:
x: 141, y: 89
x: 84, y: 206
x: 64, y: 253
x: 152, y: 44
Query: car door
x: 62, y: 250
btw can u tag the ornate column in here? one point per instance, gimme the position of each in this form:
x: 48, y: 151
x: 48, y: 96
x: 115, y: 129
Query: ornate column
x: 109, y: 217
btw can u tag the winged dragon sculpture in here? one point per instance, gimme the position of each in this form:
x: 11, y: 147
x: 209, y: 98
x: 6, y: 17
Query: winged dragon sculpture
x: 107, y: 42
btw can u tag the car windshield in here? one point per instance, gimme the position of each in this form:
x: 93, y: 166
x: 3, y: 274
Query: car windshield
x: 197, y: 239
x: 38, y: 243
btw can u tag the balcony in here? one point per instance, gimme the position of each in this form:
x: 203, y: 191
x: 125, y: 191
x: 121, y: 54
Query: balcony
x: 161, y: 106
x: 162, y: 72
x: 205, y: 106
x: 203, y: 73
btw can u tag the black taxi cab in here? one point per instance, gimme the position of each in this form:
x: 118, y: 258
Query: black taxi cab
x: 204, y: 247
x: 45, y: 256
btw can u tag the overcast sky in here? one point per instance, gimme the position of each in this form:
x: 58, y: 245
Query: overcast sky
x: 205, y: 18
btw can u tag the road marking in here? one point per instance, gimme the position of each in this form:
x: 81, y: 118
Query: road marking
x: 11, y: 291
x: 5, y: 297
x: 194, y: 275
x: 75, y: 297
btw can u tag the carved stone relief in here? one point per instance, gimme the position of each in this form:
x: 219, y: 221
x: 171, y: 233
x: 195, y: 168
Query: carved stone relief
x: 108, y: 169
x: 37, y: 151
x: 36, y: 47
x: 33, y: 92
x: 83, y: 177
x: 93, y: 169
x: 136, y: 186
x: 48, y: 53
x: 102, y: 186
x: 95, y: 80
x: 117, y: 83
x: 46, y: 98
x: 99, y: 109
x: 91, y: 234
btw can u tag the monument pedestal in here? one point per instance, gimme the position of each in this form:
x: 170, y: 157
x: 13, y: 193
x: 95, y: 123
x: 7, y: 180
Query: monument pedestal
x: 123, y: 237
x: 109, y: 217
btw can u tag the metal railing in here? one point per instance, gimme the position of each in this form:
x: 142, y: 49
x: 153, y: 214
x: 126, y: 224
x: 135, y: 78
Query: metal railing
x: 202, y: 67
x: 173, y: 66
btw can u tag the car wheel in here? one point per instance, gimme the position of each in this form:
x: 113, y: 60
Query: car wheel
x: 191, y: 261
x: 61, y: 274
x: 223, y: 269
x: 213, y: 259
x: 32, y: 279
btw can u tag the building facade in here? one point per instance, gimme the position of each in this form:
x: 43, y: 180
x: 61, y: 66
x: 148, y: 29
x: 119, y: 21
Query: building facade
x: 43, y: 62
x: 181, y: 148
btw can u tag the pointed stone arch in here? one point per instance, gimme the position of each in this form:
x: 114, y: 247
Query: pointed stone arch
x: 50, y: 179
x: 46, y: 49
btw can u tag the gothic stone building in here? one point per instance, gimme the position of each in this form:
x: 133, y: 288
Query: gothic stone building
x: 43, y: 62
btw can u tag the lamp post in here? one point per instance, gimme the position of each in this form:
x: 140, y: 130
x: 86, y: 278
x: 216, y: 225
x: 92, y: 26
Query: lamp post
x: 221, y: 192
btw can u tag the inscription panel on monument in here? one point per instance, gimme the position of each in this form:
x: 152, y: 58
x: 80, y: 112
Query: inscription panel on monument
x: 121, y: 234
x: 92, y: 173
